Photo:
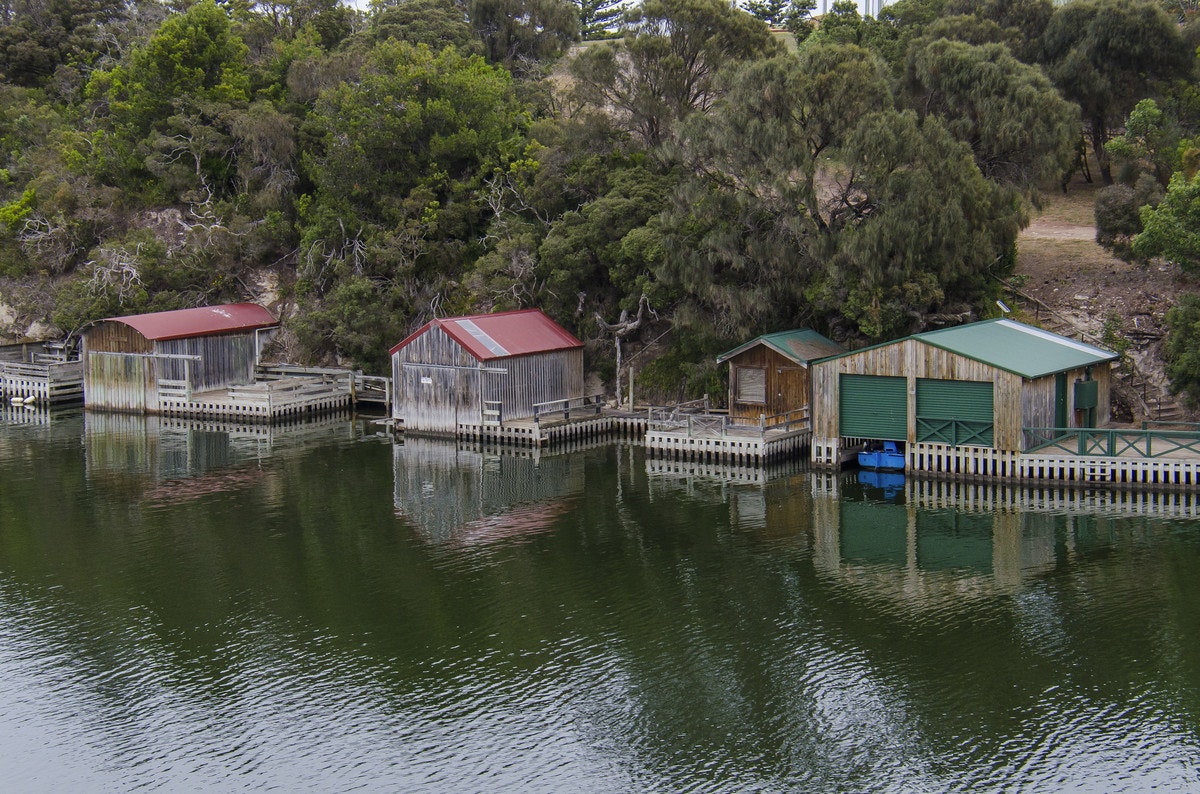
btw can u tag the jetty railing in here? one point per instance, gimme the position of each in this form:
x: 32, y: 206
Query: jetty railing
x: 362, y: 388
x: 1112, y: 442
x: 721, y: 424
x: 551, y: 408
x: 280, y: 391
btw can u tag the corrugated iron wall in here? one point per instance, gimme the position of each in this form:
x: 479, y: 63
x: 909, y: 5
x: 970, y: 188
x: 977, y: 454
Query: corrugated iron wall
x: 113, y: 337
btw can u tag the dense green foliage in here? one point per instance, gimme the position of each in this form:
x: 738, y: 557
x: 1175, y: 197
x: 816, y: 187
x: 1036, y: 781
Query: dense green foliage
x: 1183, y: 346
x: 374, y: 169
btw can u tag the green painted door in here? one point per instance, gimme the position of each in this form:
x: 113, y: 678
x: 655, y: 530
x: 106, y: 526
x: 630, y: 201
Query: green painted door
x: 1060, y: 400
x: 955, y: 412
x: 872, y: 406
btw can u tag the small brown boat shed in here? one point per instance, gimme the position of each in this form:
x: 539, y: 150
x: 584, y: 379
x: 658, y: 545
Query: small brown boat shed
x: 460, y: 373
x: 769, y: 375
x: 983, y: 386
x: 132, y: 363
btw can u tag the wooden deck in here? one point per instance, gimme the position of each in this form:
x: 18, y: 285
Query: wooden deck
x: 718, y: 438
x: 731, y: 447
x: 263, y: 401
x: 1176, y: 468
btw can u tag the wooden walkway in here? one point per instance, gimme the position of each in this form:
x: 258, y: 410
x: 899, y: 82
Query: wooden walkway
x: 1175, y: 469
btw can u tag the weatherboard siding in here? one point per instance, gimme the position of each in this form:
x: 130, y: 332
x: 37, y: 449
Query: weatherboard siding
x: 787, y: 384
x: 129, y: 383
x: 1037, y: 403
x: 1018, y: 402
x: 438, y: 385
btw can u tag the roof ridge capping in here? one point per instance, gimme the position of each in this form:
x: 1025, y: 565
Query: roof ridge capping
x: 500, y: 334
x: 1057, y: 338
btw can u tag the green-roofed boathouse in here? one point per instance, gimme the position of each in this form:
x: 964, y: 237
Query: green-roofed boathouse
x: 962, y: 400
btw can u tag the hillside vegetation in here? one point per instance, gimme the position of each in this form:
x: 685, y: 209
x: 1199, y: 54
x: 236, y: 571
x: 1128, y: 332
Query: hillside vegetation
x: 684, y: 178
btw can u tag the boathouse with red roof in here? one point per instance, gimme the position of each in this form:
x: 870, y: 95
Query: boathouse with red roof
x: 132, y: 362
x: 459, y: 373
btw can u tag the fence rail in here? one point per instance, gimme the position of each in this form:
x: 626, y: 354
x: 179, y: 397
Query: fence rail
x: 363, y: 388
x: 1112, y: 442
x: 720, y: 424
x: 589, y: 404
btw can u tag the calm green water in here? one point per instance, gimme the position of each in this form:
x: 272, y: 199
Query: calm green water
x: 317, y: 608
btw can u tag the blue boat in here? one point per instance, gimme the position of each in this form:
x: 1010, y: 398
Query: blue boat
x: 887, y: 458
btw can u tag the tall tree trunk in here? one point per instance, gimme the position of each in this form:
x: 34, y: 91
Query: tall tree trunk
x: 1099, y: 138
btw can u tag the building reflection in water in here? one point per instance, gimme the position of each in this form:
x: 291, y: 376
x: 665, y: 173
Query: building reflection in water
x: 918, y: 542
x: 168, y: 459
x: 465, y: 493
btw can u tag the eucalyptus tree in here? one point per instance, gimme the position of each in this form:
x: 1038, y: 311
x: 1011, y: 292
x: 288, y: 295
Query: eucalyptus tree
x: 397, y: 159
x: 170, y: 95
x: 1183, y: 347
x: 1020, y: 130
x: 666, y: 63
x: 1171, y: 229
x: 1106, y: 55
x: 812, y: 199
x: 38, y: 37
x: 434, y: 23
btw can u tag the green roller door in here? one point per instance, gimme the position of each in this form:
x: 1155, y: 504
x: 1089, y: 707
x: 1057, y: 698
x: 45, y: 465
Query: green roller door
x: 955, y: 412
x: 872, y: 406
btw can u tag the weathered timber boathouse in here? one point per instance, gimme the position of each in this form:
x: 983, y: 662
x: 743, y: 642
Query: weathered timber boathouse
x: 770, y: 405
x: 510, y: 377
x: 995, y: 399
x: 41, y: 372
x: 196, y: 363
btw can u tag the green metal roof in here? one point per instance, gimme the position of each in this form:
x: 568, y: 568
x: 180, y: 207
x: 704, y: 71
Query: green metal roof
x: 801, y: 345
x: 1015, y: 347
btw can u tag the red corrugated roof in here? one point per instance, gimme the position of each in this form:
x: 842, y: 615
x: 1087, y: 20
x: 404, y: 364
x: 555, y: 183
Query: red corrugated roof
x: 490, y: 336
x: 203, y: 321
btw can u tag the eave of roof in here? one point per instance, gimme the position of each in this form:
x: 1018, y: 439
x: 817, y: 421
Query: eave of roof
x: 201, y: 321
x: 801, y: 346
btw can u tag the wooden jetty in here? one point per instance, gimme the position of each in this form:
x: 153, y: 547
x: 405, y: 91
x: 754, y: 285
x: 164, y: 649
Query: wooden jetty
x: 40, y: 372
x: 553, y: 423
x: 1116, y: 456
x: 280, y: 392
x: 691, y: 432
x: 262, y: 401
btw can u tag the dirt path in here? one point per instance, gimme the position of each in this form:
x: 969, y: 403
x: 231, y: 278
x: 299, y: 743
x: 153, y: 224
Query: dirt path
x: 1061, y: 265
